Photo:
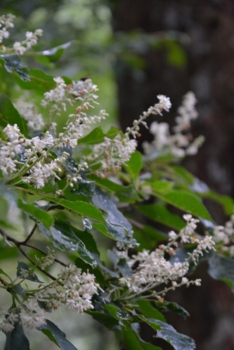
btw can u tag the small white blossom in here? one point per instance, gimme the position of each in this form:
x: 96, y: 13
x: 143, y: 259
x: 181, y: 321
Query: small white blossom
x: 5, y: 23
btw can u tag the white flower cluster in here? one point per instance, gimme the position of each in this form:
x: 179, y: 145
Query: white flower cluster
x: 31, y: 40
x: 34, y: 153
x: 113, y: 153
x: 5, y: 23
x: 179, y: 143
x: 224, y: 236
x: 72, y: 288
x: 30, y: 316
x: 152, y: 269
x: 163, y: 104
x: 28, y: 112
x: 47, y: 260
x: 57, y: 98
x: 31, y: 158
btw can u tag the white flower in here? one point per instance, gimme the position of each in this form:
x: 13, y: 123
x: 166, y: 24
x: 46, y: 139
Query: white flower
x: 12, y: 132
x: 164, y: 102
x: 28, y: 112
x: 33, y: 317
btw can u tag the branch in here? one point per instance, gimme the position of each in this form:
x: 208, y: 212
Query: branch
x: 33, y: 262
x: 41, y: 251
x: 30, y: 235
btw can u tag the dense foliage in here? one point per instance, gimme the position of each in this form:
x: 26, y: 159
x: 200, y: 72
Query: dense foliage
x: 64, y: 185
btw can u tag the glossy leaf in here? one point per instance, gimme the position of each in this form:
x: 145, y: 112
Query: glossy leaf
x: 160, y: 214
x: 124, y: 193
x: 167, y: 332
x: 87, y: 239
x: 115, y: 312
x: 104, y: 268
x: 222, y: 268
x: 84, y: 187
x: 171, y: 306
x: 113, y: 232
x: 63, y: 237
x: 16, y: 339
x: 56, y: 335
x: 117, y: 226
x: 13, y: 64
x: 10, y: 115
x: 185, y: 201
x: 40, y: 215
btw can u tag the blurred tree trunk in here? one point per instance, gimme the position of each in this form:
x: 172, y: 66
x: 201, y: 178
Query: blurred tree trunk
x: 205, y: 32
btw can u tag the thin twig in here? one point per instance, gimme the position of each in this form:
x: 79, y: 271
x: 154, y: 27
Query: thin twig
x: 136, y: 224
x: 33, y: 262
x: 41, y: 251
x: 30, y: 235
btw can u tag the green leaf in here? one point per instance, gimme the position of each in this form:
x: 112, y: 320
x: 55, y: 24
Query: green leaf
x: 10, y: 115
x: 84, y: 187
x: 107, y: 320
x: 31, y: 275
x: 176, y: 56
x: 186, y: 201
x: 130, y: 338
x: 63, y: 237
x: 160, y: 214
x: 225, y: 201
x: 87, y: 239
x: 222, y: 268
x: 117, y: 313
x: 40, y: 215
x: 113, y: 233
x: 182, y: 174
x: 117, y: 226
x: 168, y: 333
x: 17, y: 340
x: 12, y: 63
x: 80, y: 207
x: 17, y: 288
x: 161, y: 186
x: 134, y: 165
x: 123, y: 267
x: 148, y: 238
x: 39, y: 81
x: 56, y: 336
x: 124, y: 193
x: 149, y: 311
x: 170, y: 306
x: 133, y: 342
x: 104, y: 268
x: 94, y: 137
